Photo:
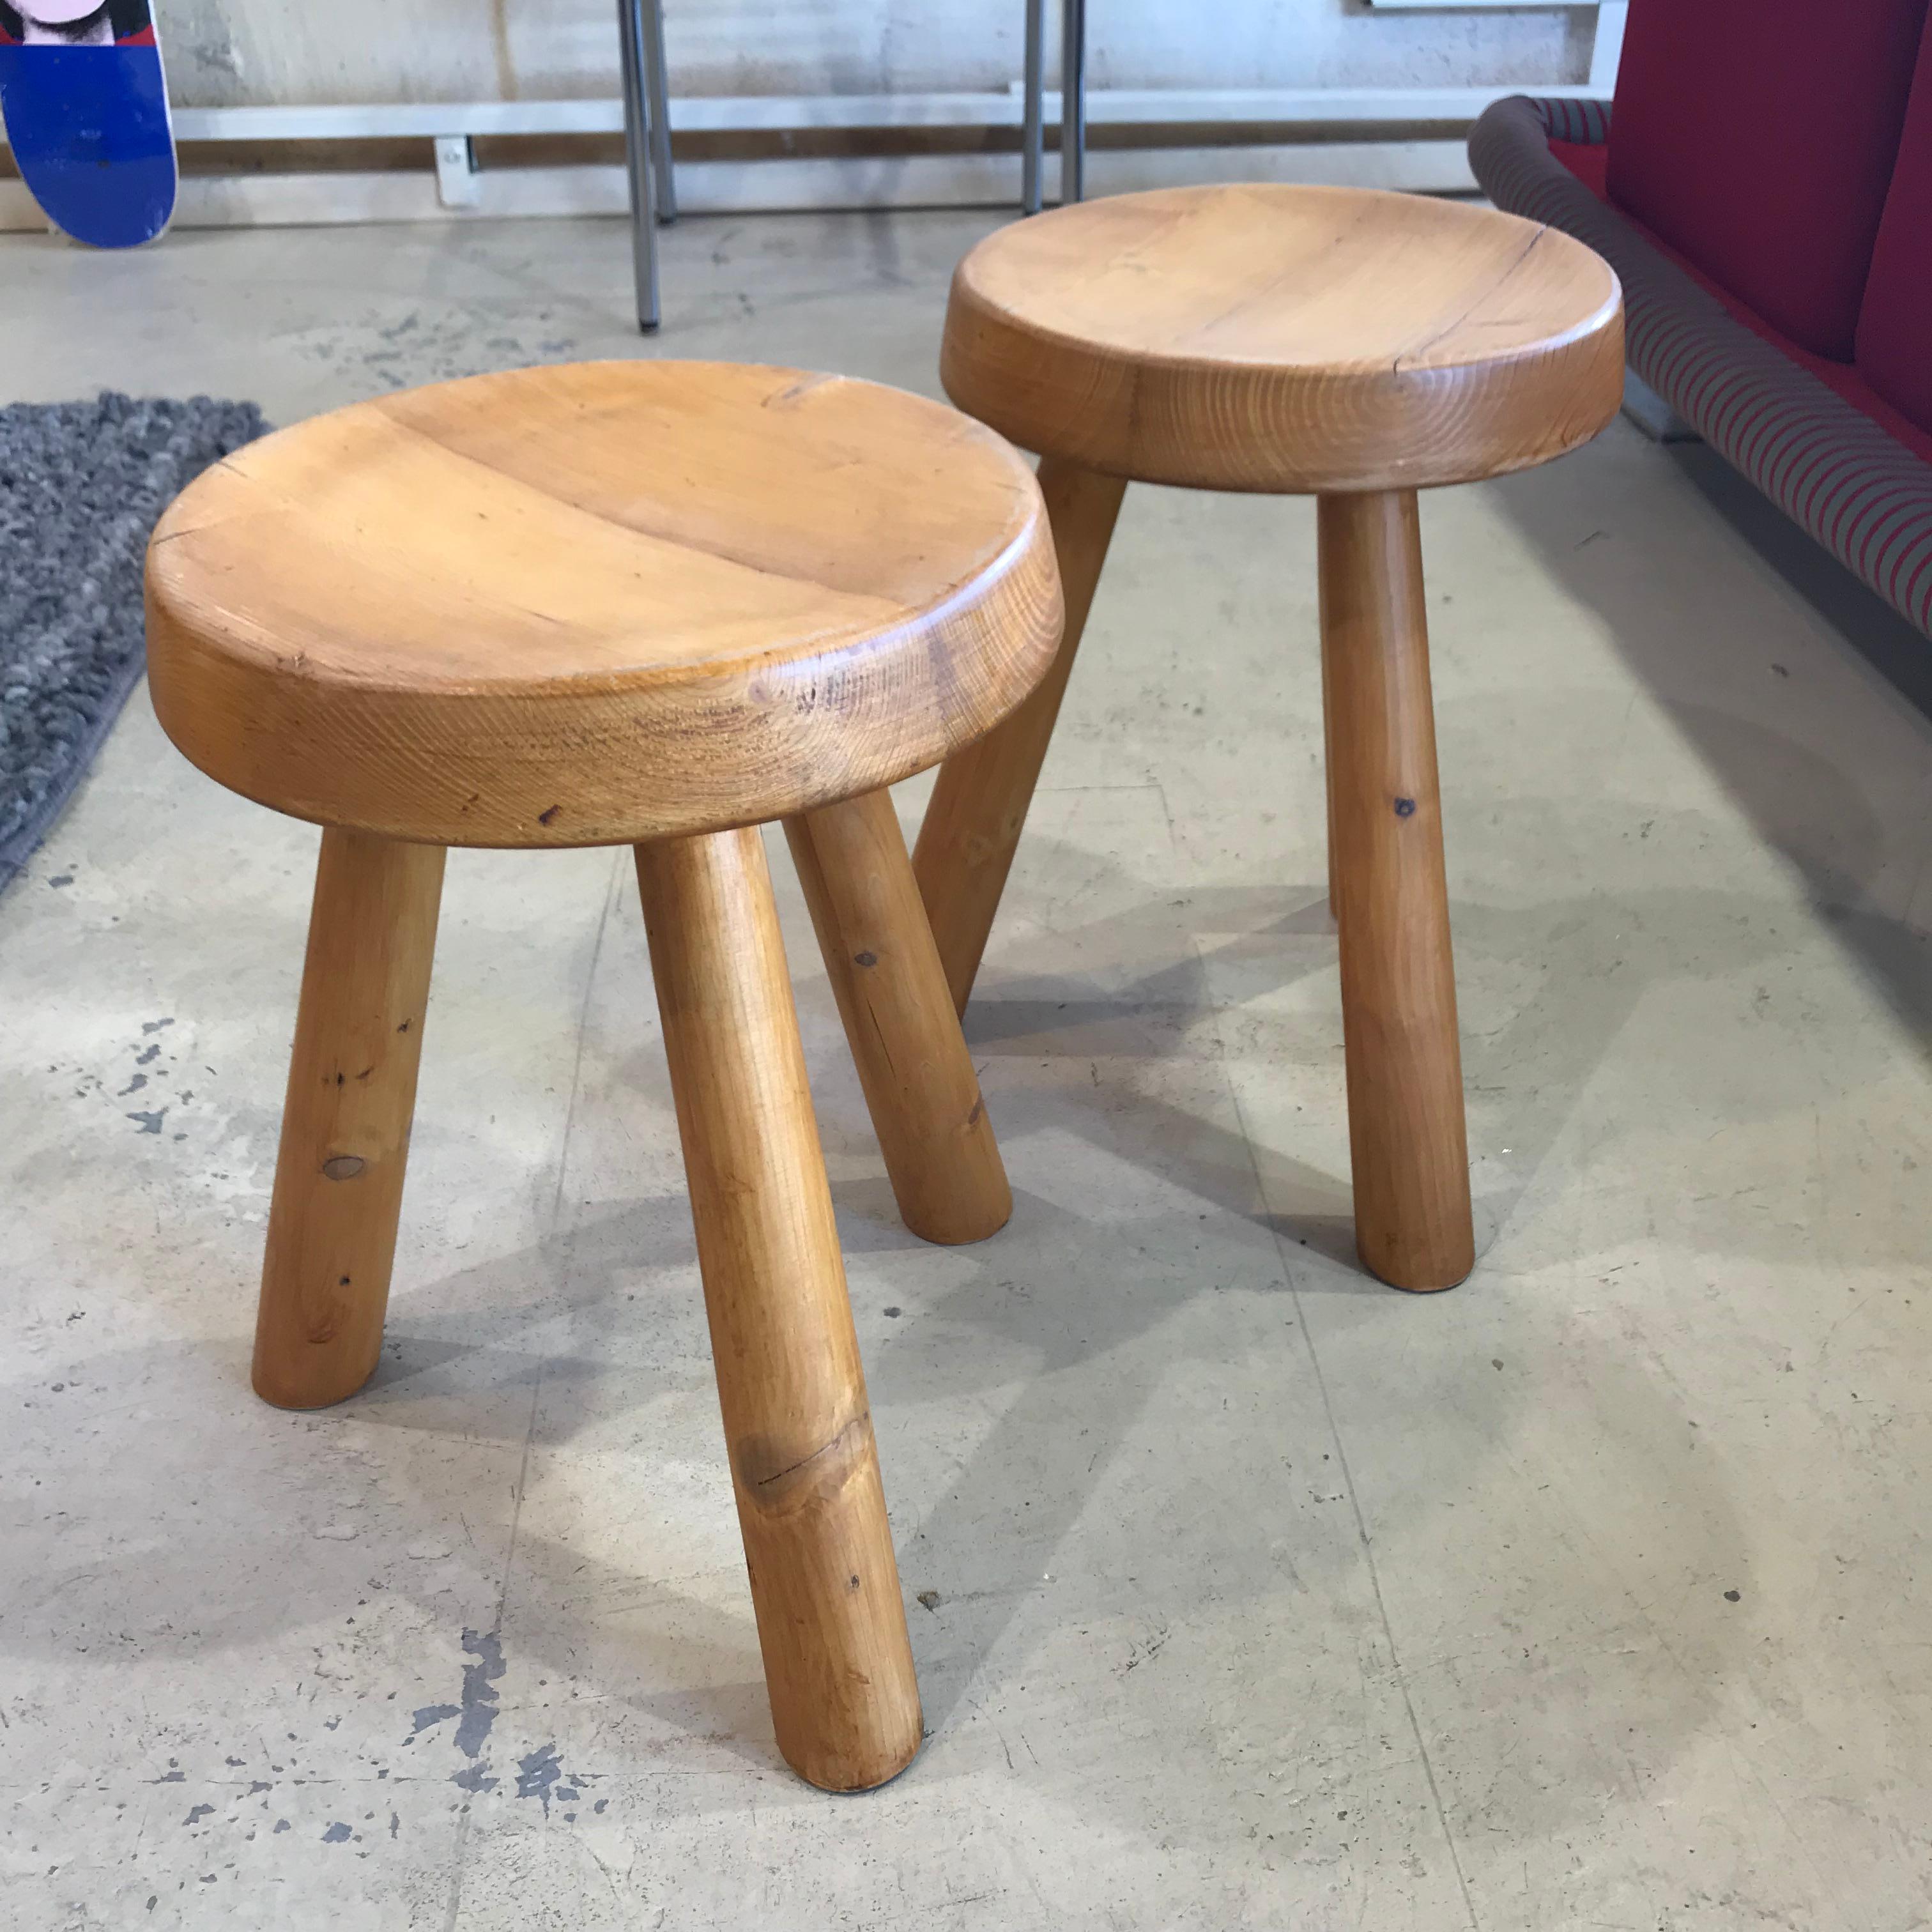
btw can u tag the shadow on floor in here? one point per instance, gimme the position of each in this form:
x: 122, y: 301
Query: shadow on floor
x: 1807, y: 781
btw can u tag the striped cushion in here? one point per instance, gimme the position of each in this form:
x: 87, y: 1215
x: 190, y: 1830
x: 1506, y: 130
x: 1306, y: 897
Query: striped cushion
x: 1861, y: 493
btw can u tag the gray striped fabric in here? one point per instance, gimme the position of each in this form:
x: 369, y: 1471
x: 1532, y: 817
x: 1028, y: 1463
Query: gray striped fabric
x: 1861, y: 492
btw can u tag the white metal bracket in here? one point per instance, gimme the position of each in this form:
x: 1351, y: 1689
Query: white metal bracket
x: 456, y: 185
x: 1652, y: 415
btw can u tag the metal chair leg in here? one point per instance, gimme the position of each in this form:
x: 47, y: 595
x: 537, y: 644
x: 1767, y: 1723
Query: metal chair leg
x: 1073, y: 101
x: 1033, y: 134
x: 657, y: 82
x: 631, y: 37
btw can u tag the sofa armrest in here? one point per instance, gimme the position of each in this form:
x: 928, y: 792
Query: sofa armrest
x: 1861, y: 493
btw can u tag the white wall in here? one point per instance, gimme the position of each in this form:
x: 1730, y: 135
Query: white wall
x: 268, y: 52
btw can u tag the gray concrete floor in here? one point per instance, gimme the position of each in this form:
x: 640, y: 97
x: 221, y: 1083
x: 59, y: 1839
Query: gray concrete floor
x: 1245, y: 1592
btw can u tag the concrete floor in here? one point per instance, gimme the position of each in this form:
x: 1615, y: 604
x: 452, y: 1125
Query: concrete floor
x: 1245, y: 1592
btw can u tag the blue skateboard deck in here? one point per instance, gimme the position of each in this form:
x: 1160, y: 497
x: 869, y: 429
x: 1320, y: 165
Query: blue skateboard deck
x: 86, y: 110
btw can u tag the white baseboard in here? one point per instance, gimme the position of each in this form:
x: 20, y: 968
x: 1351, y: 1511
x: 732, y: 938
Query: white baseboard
x: 745, y: 187
x: 1173, y: 107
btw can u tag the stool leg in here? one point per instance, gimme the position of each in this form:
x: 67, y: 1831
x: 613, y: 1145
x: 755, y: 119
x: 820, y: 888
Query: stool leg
x: 1328, y: 776
x: 824, y: 1581
x: 972, y: 826
x: 1405, y: 1124
x: 946, y: 1173
x: 346, y: 1126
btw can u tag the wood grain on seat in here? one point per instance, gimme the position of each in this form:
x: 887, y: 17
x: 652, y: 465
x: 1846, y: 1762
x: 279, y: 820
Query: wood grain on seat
x: 1283, y: 338
x: 598, y: 604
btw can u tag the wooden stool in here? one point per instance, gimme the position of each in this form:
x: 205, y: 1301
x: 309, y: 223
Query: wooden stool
x: 655, y: 604
x: 1341, y: 343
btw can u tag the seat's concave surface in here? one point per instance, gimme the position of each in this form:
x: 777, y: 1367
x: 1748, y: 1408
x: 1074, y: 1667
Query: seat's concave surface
x: 598, y: 603
x: 1299, y: 339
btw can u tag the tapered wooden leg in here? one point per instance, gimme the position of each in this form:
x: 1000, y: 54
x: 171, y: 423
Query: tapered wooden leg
x: 1328, y: 777
x: 1406, y: 1123
x: 1334, y: 905
x: 824, y: 1581
x: 946, y: 1173
x: 972, y: 826
x: 346, y: 1126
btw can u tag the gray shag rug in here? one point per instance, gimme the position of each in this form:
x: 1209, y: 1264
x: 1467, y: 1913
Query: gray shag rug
x: 82, y: 485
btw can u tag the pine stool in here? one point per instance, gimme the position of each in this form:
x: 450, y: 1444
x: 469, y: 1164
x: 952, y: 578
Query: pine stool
x: 652, y: 603
x: 1339, y: 343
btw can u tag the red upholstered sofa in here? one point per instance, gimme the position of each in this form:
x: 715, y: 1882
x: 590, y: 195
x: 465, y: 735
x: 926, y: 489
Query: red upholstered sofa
x: 1763, y: 188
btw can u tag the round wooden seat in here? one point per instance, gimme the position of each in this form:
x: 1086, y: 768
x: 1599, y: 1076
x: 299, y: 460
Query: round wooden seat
x: 1306, y: 340
x: 602, y: 603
